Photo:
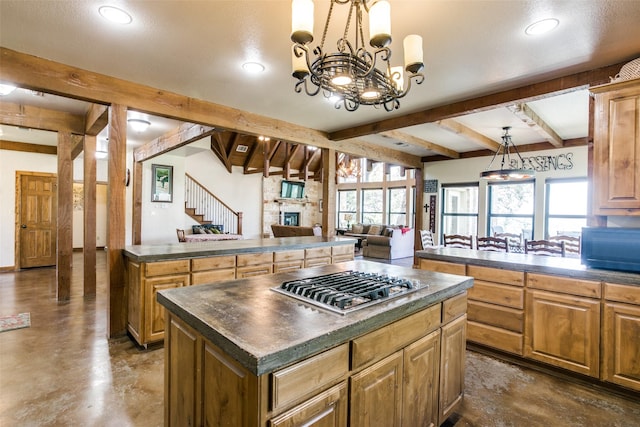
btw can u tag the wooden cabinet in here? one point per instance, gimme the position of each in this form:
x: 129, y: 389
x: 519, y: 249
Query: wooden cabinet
x: 620, y: 338
x: 288, y: 260
x: 442, y: 266
x: 327, y: 409
x: 255, y: 264
x: 496, y: 308
x: 616, y: 159
x: 213, y: 269
x: 452, y: 355
x: 341, y: 253
x: 315, y: 257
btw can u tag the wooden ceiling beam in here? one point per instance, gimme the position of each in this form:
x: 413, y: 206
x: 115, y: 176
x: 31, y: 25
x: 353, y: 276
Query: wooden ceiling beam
x: 31, y: 117
x: 96, y: 119
x: 28, y: 148
x: 219, y: 141
x: 255, y: 150
x: 532, y: 92
x: 77, y: 145
x: 535, y: 122
x: 419, y: 142
x: 32, y: 72
x: 469, y: 133
x: 183, y: 135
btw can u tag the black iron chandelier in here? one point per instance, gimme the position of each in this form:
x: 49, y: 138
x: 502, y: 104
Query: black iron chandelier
x: 509, y: 170
x: 353, y: 76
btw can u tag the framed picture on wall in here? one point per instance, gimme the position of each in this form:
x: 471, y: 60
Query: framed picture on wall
x: 162, y: 183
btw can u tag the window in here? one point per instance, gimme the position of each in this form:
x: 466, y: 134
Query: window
x: 376, y: 173
x: 397, y: 206
x: 460, y: 209
x: 511, y: 208
x: 566, y: 207
x: 395, y: 173
x: 372, y: 206
x: 346, y: 208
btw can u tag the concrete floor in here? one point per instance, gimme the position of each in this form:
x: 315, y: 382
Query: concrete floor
x: 62, y: 371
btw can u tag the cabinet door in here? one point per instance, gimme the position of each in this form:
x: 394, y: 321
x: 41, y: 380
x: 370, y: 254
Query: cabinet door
x: 421, y: 382
x: 154, y: 312
x: 376, y: 394
x: 617, y: 151
x: 564, y: 331
x: 452, y: 357
x: 328, y: 409
x: 621, y: 364
x: 442, y: 266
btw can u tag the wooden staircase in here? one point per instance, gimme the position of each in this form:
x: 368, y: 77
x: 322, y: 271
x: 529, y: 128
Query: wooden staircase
x: 205, y: 208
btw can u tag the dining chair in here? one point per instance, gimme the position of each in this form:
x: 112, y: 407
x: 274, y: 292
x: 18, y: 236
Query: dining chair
x: 458, y: 241
x: 571, y: 243
x: 426, y: 237
x: 544, y: 247
x: 513, y: 238
x: 495, y: 244
x: 180, y: 234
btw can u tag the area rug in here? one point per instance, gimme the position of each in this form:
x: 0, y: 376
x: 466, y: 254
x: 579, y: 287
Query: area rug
x: 15, y: 321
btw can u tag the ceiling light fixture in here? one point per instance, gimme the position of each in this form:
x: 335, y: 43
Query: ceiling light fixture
x: 353, y: 74
x: 116, y: 15
x: 6, y: 89
x: 139, y: 125
x: 541, y: 27
x: 253, y: 67
x: 510, y: 169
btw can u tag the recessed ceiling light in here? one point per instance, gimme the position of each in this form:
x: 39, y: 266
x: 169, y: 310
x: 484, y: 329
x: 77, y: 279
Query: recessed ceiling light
x: 6, y: 89
x: 116, y: 15
x: 253, y: 67
x: 541, y: 27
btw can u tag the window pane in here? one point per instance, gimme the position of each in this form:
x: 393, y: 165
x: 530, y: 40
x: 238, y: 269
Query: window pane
x: 394, y: 173
x: 376, y: 173
x: 522, y: 226
x: 466, y: 225
x: 372, y: 206
x: 512, y: 198
x: 566, y: 226
x: 461, y: 200
x: 397, y: 198
x: 567, y: 198
x: 347, y: 200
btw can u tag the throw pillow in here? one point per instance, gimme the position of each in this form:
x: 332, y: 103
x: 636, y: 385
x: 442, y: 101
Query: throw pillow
x: 375, y: 230
x: 357, y: 228
x: 208, y: 231
x: 387, y: 232
x: 198, y: 229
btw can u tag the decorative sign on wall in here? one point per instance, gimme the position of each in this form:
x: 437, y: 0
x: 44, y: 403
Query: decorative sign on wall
x: 544, y: 163
x: 430, y: 185
x: 432, y: 213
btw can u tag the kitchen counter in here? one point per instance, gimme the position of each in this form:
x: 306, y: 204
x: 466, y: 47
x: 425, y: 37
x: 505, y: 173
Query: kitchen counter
x: 173, y: 251
x: 560, y: 266
x: 264, y: 330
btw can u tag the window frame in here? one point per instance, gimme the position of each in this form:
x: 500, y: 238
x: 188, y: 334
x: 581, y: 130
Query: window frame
x: 443, y: 204
x: 490, y: 185
x: 547, y: 195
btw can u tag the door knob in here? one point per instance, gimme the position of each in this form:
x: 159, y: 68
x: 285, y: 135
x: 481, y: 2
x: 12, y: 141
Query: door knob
x: 23, y: 226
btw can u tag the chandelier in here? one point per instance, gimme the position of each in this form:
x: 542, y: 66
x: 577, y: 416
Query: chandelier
x: 347, y: 167
x: 509, y: 170
x: 353, y: 75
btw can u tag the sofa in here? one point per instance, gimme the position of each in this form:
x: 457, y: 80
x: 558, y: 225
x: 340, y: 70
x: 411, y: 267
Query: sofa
x: 295, y: 230
x: 384, y: 241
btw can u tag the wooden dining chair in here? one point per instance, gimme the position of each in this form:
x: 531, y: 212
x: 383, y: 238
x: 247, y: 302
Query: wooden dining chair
x: 180, y: 234
x: 544, y: 247
x: 571, y: 243
x: 515, y: 240
x: 458, y: 241
x: 489, y: 243
x: 426, y: 237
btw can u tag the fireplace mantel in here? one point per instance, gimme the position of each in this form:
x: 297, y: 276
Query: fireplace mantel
x: 293, y: 201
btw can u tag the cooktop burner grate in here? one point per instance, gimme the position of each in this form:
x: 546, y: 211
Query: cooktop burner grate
x: 346, y: 291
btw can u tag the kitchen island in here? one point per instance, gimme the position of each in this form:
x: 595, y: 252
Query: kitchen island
x: 550, y: 310
x: 150, y: 268
x: 242, y: 352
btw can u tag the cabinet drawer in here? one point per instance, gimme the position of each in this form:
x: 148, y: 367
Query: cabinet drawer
x: 508, y: 277
x: 494, y: 315
x: 329, y: 408
x: 378, y: 344
x: 254, y: 270
x: 442, y: 266
x: 490, y: 336
x: 508, y: 296
x: 317, y: 262
x: 213, y: 263
x: 164, y: 268
x: 203, y: 277
x: 342, y: 258
x: 622, y: 293
x: 565, y: 285
x: 288, y: 255
x: 288, y: 266
x: 255, y: 259
x: 454, y: 307
x: 342, y: 250
x: 322, y: 252
x: 309, y: 376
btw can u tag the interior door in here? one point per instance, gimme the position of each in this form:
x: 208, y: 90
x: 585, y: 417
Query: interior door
x: 37, y: 220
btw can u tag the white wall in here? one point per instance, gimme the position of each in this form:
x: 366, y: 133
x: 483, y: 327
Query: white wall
x: 468, y: 170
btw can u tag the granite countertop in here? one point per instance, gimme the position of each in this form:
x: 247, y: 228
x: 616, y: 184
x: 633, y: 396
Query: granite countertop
x: 265, y: 330
x: 560, y: 266
x: 150, y: 253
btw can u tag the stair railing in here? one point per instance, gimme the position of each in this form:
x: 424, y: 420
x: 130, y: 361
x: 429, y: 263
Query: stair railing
x: 210, y: 208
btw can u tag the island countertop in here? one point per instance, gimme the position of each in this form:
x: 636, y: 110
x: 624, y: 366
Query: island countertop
x: 560, y: 266
x: 151, y: 253
x: 264, y: 330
